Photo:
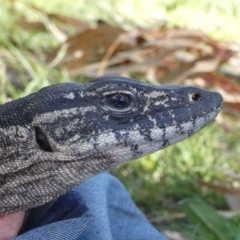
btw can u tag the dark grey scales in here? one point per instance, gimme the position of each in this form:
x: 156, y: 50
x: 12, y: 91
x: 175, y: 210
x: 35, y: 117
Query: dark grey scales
x: 52, y: 140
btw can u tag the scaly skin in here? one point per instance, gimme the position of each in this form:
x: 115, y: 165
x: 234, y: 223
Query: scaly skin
x: 52, y: 140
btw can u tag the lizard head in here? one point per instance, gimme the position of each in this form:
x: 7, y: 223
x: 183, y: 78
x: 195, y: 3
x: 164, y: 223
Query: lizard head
x: 66, y: 133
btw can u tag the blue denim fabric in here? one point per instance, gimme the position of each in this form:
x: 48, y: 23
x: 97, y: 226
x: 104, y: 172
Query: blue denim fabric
x: 98, y: 209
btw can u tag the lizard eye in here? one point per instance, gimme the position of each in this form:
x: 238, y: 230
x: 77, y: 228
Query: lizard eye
x: 42, y: 140
x: 118, y: 100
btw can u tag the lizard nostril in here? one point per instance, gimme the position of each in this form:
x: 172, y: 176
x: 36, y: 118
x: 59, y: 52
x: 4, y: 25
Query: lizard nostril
x: 196, y: 97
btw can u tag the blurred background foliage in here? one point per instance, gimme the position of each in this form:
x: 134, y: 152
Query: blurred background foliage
x: 160, y: 42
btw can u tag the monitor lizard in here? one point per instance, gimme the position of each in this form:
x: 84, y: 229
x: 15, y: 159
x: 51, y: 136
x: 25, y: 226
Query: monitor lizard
x: 56, y: 138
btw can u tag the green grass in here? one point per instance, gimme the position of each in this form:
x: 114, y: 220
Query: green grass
x: 156, y: 182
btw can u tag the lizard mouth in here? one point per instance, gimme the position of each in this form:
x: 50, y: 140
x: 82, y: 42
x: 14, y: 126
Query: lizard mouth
x: 159, y: 138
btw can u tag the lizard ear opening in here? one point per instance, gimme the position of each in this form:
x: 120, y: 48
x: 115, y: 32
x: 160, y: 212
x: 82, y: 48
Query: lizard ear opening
x: 42, y: 140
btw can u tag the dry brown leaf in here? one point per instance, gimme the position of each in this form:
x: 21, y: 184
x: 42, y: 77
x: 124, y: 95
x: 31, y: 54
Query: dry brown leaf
x: 231, y: 195
x: 66, y: 20
x: 141, y: 59
x: 188, y: 33
x: 220, y: 188
x: 223, y: 82
x: 230, y: 90
x: 91, y: 44
x: 32, y: 26
x: 232, y: 108
x: 198, y: 66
